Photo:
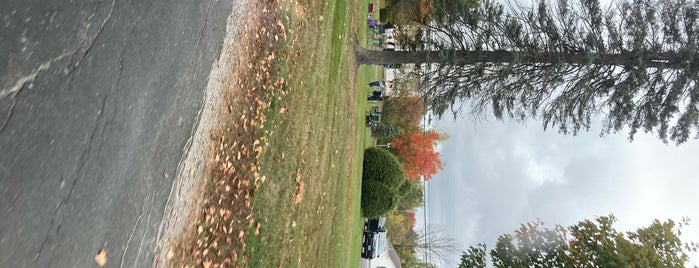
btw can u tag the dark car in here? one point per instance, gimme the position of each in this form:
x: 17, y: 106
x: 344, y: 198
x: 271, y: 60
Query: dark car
x: 375, y: 225
x: 373, y: 243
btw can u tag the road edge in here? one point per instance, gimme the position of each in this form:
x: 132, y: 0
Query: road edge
x: 183, y: 199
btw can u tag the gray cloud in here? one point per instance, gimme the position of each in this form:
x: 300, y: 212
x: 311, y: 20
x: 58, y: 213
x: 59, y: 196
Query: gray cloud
x: 499, y: 175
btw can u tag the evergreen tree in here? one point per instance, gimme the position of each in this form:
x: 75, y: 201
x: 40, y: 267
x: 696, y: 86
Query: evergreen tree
x: 635, y: 62
x: 589, y: 243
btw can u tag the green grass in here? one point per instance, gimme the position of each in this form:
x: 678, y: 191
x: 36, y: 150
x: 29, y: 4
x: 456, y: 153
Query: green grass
x: 284, y: 187
x: 316, y: 146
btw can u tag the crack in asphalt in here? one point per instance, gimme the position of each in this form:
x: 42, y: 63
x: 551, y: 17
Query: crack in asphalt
x: 9, y: 115
x: 28, y: 79
x: 120, y: 72
x: 23, y: 83
x: 69, y: 70
x: 74, y: 182
x: 100, y: 115
x: 206, y: 22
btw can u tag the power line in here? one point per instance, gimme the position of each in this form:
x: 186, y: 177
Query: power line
x: 424, y: 220
x: 424, y: 212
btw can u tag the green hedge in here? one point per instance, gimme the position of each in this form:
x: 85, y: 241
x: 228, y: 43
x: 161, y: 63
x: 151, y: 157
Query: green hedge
x: 377, y: 198
x: 380, y: 165
x: 404, y: 188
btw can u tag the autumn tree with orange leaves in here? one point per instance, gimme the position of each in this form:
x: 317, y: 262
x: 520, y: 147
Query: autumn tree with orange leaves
x: 415, y: 150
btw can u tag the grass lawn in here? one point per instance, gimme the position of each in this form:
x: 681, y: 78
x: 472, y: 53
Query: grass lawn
x: 310, y: 211
x: 285, y: 186
x: 309, y: 206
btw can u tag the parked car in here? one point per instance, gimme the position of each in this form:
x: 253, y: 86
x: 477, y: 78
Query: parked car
x: 373, y: 243
x: 375, y: 224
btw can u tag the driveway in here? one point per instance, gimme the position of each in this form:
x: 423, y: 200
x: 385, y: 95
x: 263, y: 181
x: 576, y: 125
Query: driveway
x: 98, y: 100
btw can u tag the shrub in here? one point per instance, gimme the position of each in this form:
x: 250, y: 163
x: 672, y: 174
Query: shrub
x: 386, y: 15
x: 385, y: 131
x: 404, y: 188
x: 377, y: 198
x: 380, y: 165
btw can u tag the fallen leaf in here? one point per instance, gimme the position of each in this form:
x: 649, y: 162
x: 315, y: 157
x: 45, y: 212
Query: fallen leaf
x: 170, y: 254
x: 283, y: 110
x: 101, y: 257
x: 207, y: 264
x: 300, y: 191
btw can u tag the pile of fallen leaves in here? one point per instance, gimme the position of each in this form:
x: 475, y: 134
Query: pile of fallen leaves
x: 226, y: 218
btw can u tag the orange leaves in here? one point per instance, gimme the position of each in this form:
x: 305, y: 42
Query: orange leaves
x: 411, y: 216
x: 415, y: 150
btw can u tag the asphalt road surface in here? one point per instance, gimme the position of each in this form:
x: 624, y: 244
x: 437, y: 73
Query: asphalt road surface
x: 97, y: 100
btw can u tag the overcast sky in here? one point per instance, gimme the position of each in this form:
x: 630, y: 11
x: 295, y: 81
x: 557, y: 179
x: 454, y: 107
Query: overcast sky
x: 498, y: 175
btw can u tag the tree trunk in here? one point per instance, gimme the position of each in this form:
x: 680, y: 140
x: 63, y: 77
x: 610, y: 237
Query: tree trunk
x: 462, y: 57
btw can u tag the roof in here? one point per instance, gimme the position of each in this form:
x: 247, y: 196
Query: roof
x: 392, y: 254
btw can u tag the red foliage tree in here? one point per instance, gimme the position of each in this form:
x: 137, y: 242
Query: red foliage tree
x: 415, y: 150
x: 411, y: 217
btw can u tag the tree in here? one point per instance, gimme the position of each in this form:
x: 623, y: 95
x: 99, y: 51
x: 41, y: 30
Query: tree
x: 473, y: 257
x: 405, y: 111
x: 415, y: 150
x: 635, y: 63
x: 385, y: 131
x: 589, y: 243
x: 411, y: 195
x: 408, y: 242
x: 412, y: 217
x: 431, y: 241
x: 408, y: 11
x: 400, y: 232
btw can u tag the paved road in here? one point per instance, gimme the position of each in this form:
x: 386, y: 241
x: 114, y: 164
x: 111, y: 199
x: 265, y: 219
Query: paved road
x: 97, y: 99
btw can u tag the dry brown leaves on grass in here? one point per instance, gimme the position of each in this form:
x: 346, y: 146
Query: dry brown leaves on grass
x: 226, y: 218
x: 300, y: 188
